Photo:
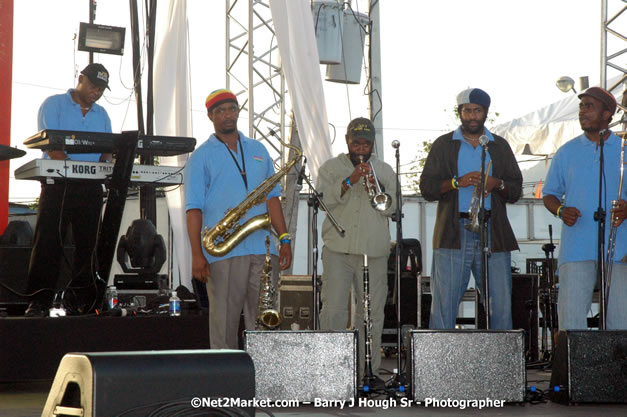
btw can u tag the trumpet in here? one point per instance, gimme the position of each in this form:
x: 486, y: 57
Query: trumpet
x: 379, y: 200
x: 475, y: 203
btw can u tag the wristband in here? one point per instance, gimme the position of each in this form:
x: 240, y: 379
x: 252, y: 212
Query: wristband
x: 285, y: 241
x: 348, y: 182
x: 454, y: 182
x: 558, y: 213
x: 284, y: 236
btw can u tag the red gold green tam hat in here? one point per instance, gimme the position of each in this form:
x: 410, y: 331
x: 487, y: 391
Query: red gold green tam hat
x: 218, y: 97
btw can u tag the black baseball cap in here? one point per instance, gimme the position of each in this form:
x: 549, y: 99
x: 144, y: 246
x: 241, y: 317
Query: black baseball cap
x: 361, y: 128
x: 97, y: 74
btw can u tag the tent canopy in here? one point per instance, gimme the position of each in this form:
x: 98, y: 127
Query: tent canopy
x: 547, y: 128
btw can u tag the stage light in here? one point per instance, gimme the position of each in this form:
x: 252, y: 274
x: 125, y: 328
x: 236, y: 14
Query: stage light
x: 102, y: 39
x: 565, y: 84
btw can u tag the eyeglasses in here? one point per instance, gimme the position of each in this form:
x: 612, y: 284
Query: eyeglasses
x: 221, y: 111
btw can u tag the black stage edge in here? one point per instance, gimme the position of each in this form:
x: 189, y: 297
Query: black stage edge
x: 31, y: 348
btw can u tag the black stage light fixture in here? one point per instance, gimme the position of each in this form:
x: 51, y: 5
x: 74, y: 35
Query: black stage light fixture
x: 101, y: 38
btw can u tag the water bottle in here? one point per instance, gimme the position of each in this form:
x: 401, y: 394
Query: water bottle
x: 112, y: 297
x: 57, y: 309
x: 175, y: 304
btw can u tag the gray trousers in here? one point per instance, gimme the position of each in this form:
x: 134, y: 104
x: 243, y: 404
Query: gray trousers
x: 232, y: 288
x: 341, y: 272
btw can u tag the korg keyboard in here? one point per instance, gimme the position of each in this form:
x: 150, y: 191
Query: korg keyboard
x: 94, y: 142
x: 41, y: 169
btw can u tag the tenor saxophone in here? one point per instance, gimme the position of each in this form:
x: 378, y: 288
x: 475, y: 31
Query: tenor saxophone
x: 228, y: 232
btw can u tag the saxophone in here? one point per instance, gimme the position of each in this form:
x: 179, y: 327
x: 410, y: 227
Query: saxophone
x: 228, y: 233
x: 268, y: 318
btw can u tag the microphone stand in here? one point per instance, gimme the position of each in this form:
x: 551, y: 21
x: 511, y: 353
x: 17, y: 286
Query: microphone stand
x: 599, y: 216
x: 548, y: 310
x: 397, y: 217
x: 483, y: 239
x: 314, y: 201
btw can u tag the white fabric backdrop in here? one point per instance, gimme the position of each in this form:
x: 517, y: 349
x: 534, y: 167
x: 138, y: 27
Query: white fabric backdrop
x: 293, y: 25
x: 172, y: 96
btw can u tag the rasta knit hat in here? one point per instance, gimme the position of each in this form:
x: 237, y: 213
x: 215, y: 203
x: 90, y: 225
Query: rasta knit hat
x: 474, y: 96
x: 218, y: 97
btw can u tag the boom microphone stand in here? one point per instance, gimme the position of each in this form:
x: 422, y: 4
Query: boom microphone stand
x: 398, y: 216
x: 483, y: 239
x: 315, y: 200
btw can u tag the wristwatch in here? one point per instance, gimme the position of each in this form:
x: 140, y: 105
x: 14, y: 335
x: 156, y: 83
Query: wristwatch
x: 501, y: 187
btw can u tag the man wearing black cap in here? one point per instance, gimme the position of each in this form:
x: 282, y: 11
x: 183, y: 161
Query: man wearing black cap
x: 571, y: 193
x: 342, y: 182
x: 62, y: 204
x: 451, y: 174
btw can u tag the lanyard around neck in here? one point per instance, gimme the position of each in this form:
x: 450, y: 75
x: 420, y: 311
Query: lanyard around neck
x: 242, y: 169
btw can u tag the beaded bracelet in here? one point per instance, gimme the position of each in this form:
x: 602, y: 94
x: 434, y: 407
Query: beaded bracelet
x: 454, y: 182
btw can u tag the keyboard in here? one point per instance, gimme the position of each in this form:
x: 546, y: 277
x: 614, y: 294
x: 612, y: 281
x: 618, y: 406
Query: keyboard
x: 41, y: 169
x: 96, y: 142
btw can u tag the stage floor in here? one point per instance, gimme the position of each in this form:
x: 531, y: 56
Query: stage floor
x: 30, y: 351
x: 27, y: 399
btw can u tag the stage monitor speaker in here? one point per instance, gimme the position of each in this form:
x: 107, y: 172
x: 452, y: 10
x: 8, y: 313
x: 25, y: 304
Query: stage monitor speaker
x: 304, y: 365
x: 138, y: 383
x: 590, y: 366
x: 468, y: 365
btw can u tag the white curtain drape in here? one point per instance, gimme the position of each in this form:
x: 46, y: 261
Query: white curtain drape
x: 172, y: 97
x: 293, y: 26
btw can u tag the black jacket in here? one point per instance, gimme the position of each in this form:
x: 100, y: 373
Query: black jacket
x: 441, y: 165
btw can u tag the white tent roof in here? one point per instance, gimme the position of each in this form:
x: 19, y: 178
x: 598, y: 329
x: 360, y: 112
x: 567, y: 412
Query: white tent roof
x: 545, y: 129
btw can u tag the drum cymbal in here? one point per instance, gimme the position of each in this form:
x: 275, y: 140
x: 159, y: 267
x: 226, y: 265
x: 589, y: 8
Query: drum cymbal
x: 8, y: 152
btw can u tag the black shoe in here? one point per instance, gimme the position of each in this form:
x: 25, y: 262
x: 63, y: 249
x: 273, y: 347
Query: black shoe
x: 36, y: 308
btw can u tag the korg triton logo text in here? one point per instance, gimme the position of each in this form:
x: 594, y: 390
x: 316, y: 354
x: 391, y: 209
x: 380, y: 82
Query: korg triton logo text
x: 83, y: 169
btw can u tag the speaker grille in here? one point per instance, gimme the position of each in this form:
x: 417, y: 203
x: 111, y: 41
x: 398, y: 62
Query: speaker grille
x: 303, y: 365
x: 468, y: 365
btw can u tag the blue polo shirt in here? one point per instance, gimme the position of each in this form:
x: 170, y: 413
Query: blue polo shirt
x: 214, y: 184
x: 469, y: 160
x: 62, y: 112
x: 574, y: 176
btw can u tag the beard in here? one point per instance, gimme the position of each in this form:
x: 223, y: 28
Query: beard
x: 473, y: 126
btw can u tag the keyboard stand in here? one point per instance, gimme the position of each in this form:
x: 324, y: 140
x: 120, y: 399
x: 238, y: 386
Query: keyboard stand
x: 112, y: 219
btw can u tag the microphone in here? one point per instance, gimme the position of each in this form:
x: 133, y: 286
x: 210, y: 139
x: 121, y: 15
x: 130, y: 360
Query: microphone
x: 483, y: 140
x: 301, y: 175
x: 395, y: 144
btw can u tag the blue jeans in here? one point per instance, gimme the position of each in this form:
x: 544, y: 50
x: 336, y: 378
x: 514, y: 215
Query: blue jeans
x: 450, y: 275
x: 576, y: 285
